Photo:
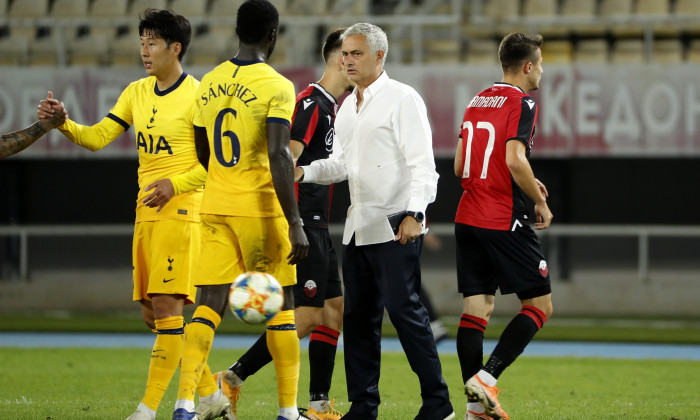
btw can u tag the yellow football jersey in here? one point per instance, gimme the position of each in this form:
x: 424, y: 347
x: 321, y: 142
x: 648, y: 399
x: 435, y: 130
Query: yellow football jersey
x: 163, y: 124
x: 235, y: 103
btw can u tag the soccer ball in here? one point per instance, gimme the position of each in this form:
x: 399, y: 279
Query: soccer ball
x: 255, y: 297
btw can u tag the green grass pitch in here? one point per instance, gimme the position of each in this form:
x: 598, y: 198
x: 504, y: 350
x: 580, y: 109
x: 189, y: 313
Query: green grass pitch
x: 78, y: 383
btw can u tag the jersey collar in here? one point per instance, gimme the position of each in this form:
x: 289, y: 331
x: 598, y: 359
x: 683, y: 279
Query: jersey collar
x: 503, y: 84
x: 171, y: 88
x: 325, y: 92
x: 239, y: 62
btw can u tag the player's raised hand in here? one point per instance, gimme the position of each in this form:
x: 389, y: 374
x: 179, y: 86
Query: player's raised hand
x: 163, y: 191
x: 300, y: 245
x: 50, y: 106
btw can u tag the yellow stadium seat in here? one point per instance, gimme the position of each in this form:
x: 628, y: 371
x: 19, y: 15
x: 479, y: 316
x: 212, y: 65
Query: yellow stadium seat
x: 556, y: 52
x: 627, y: 51
x: 482, y: 51
x: 591, y: 51
x: 667, y: 51
x: 189, y: 8
x: 28, y: 9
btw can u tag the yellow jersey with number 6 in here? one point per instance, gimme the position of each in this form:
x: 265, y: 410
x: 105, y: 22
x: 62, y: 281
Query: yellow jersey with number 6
x: 235, y: 102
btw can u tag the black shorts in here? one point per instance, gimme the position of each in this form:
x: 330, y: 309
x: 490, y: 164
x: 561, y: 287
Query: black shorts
x: 317, y: 274
x: 509, y: 260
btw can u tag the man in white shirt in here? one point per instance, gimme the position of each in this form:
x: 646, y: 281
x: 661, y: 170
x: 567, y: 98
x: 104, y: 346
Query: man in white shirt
x: 384, y: 149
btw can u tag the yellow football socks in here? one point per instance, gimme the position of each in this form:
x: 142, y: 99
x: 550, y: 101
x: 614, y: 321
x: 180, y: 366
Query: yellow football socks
x: 165, y: 358
x: 283, y: 343
x: 198, y: 340
x: 207, y: 385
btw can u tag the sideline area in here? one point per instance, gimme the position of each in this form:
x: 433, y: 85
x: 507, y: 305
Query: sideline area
x: 231, y: 341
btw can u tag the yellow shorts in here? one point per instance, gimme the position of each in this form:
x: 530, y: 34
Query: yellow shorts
x: 163, y: 255
x: 232, y: 245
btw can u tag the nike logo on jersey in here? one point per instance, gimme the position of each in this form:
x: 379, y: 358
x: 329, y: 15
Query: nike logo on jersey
x: 149, y: 126
x: 168, y: 280
x: 530, y: 103
x: 307, y: 103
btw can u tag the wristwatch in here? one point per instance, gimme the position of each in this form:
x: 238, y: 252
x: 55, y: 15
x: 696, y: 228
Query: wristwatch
x: 418, y: 215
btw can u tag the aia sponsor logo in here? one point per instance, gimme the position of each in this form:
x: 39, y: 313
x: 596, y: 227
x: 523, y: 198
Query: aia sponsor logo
x: 310, y: 288
x: 543, y: 268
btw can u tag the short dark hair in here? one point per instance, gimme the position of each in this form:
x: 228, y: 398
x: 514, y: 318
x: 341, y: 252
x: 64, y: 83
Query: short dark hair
x: 168, y: 26
x: 332, y: 43
x: 255, y: 20
x: 517, y: 49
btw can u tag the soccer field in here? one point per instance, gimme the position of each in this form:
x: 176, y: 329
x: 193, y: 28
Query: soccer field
x: 79, y: 383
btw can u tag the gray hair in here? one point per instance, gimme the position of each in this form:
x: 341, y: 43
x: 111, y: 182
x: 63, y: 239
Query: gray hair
x: 375, y: 36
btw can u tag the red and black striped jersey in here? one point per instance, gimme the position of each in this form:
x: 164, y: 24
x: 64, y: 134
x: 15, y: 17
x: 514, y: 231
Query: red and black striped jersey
x: 491, y: 198
x: 312, y: 124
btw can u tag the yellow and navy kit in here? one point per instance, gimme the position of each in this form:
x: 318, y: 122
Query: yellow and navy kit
x: 235, y: 102
x: 164, y: 139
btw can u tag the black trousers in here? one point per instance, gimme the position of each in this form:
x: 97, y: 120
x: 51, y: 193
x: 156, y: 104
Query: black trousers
x: 378, y: 276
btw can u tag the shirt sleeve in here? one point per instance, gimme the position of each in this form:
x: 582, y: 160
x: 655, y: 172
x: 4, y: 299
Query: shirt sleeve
x: 415, y: 139
x: 304, y: 122
x: 93, y: 137
x: 521, y: 121
x: 282, y: 104
x: 190, y: 180
x: 327, y: 171
x: 97, y: 136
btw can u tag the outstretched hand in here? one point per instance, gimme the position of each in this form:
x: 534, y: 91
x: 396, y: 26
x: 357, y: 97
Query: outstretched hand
x: 51, y: 112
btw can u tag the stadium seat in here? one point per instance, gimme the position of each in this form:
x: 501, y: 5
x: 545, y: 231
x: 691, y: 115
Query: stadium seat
x: 104, y: 17
x: 138, y: 6
x: 653, y: 7
x: 209, y: 50
x: 189, y: 8
x: 556, y: 51
x: 13, y: 52
x: 494, y: 15
x: 591, y: 51
x: 88, y: 51
x: 351, y: 7
x: 442, y: 51
x: 308, y: 7
x: 280, y: 5
x: 688, y: 8
x: 618, y: 14
x: 482, y: 51
x: 502, y: 10
x: 688, y: 11
x: 628, y: 51
x: 224, y: 8
x: 29, y: 9
x: 667, y: 51
x: 693, y: 55
x: 125, y: 52
x: 540, y: 9
x: 581, y: 16
x: 72, y: 10
x: 43, y: 52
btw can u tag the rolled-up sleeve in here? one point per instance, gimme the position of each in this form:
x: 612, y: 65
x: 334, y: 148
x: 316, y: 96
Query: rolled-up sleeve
x: 415, y: 140
x: 327, y: 171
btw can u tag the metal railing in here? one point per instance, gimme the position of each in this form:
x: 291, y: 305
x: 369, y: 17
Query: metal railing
x: 643, y: 233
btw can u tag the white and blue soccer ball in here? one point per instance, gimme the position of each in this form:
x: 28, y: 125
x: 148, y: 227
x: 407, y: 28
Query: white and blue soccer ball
x: 255, y: 297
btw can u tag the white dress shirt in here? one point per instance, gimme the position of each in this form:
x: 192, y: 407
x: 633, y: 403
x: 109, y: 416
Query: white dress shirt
x: 385, y: 151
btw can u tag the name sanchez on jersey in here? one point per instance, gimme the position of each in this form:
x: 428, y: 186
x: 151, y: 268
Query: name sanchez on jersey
x: 235, y: 89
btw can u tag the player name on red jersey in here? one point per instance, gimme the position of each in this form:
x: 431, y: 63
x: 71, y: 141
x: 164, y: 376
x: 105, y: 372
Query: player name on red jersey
x: 487, y: 102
